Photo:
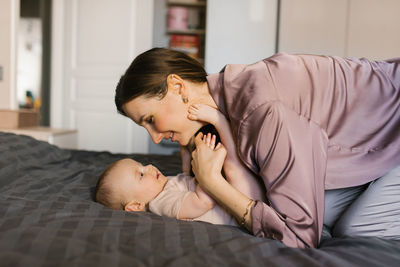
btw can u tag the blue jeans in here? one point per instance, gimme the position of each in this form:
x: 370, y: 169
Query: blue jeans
x: 367, y: 210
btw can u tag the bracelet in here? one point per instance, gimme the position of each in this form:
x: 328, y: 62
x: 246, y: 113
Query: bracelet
x: 243, y: 222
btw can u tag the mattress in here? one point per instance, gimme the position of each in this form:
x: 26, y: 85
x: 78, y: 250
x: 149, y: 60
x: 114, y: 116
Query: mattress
x: 48, y: 218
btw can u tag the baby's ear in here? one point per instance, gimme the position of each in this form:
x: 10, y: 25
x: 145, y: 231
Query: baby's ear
x: 135, y: 206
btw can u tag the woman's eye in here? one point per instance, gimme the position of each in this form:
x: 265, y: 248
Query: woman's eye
x: 150, y: 119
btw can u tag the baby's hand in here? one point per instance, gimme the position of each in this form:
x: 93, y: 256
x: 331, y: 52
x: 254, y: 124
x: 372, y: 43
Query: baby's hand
x: 209, y: 140
x: 203, y: 113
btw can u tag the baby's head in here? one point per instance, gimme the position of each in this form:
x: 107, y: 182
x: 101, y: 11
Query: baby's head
x: 128, y: 185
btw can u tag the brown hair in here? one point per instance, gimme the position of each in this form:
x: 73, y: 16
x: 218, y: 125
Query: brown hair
x: 104, y: 193
x: 147, y: 74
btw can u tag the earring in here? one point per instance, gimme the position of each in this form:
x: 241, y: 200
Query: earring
x: 184, y: 99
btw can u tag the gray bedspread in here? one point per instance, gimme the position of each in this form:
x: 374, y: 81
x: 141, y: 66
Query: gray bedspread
x: 48, y: 218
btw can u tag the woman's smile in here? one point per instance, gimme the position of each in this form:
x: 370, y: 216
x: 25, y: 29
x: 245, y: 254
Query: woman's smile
x: 168, y: 117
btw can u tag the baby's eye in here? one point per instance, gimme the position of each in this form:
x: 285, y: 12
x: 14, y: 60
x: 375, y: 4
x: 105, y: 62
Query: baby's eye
x: 141, y: 175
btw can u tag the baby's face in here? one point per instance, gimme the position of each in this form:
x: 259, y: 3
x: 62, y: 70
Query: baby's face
x: 138, y: 182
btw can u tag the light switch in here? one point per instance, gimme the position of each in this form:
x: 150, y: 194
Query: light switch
x: 1, y: 73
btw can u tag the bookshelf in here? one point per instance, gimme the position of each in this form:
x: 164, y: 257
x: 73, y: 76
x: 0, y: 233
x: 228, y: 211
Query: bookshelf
x: 186, y: 27
x: 189, y: 3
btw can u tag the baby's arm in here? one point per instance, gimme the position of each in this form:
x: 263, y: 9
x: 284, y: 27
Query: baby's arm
x: 195, y: 204
x: 186, y: 158
x: 215, y: 117
x: 236, y: 173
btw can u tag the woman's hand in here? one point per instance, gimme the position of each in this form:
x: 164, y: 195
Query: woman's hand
x: 207, y: 160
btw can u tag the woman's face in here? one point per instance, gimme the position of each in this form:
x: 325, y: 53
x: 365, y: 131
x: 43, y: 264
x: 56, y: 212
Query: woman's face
x: 164, y: 118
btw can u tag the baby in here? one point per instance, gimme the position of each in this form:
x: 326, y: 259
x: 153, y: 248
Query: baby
x: 130, y: 186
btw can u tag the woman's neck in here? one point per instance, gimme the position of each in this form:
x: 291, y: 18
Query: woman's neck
x: 201, y: 94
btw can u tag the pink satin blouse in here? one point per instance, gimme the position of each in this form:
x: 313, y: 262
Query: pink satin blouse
x: 307, y: 123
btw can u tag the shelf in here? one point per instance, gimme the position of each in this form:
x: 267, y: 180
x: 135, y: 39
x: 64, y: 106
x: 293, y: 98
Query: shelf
x: 187, y: 27
x: 186, y: 3
x: 190, y: 32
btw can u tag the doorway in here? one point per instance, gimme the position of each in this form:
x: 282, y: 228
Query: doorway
x: 34, y: 54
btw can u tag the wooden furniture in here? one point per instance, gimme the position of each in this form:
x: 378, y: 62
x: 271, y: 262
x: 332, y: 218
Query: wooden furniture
x: 64, y: 138
x: 18, y: 118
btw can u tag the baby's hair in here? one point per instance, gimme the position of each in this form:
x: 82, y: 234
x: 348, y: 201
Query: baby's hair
x: 104, y: 193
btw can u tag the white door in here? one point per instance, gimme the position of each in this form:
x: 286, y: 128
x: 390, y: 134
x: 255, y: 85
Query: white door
x: 93, y: 43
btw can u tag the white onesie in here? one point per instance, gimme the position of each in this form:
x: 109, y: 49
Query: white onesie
x: 169, y: 201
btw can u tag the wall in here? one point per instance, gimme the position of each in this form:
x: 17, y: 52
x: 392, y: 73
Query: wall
x: 9, y: 14
x: 160, y: 38
x: 239, y: 32
x: 347, y: 28
x: 313, y: 26
x: 374, y: 29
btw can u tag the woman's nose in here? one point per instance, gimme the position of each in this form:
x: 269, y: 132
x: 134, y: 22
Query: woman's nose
x: 156, y: 137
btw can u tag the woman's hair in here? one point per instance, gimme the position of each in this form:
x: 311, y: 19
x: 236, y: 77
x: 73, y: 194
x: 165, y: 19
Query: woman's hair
x: 147, y: 74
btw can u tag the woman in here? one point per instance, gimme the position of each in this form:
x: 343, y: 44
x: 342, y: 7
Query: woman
x: 311, y: 127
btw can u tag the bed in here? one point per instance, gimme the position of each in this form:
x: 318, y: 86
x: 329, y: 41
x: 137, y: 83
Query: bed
x: 48, y: 218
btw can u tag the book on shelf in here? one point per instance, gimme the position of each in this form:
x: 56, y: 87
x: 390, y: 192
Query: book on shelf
x: 183, y: 18
x: 189, y: 44
x: 185, y: 1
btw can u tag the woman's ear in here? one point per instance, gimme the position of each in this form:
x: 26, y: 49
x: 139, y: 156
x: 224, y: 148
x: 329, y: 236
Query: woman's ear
x: 175, y: 84
x: 135, y: 206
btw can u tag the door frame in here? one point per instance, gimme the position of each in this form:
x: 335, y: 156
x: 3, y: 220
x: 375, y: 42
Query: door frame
x: 57, y: 61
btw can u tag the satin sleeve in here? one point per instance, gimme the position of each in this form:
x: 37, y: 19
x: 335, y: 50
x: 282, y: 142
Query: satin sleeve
x: 290, y: 155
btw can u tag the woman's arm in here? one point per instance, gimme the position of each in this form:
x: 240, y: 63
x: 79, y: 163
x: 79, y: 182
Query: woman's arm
x: 207, y: 165
x: 235, y: 171
x: 291, y: 170
x: 290, y: 155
